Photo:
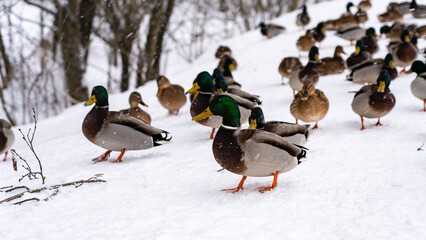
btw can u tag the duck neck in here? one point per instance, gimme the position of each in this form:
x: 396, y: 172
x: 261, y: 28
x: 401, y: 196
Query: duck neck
x: 226, y: 150
x: 94, y: 120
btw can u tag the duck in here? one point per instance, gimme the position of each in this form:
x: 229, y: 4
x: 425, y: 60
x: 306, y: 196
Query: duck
x: 303, y: 19
x: 404, y: 52
x: 391, y: 15
x: 375, y: 100
x: 222, y: 59
x: 420, y: 31
x: 249, y: 152
x: 270, y: 30
x: 294, y: 133
x: 394, y: 32
x: 348, y: 12
x: 344, y: 19
x: 418, y: 85
x: 351, y: 33
x: 171, y: 96
x: 319, y: 33
x: 287, y: 66
x: 402, y: 7
x: 116, y: 131
x: 228, y: 66
x: 307, y: 73
x: 364, y: 5
x: 203, y: 88
x: 358, y: 57
x: 135, y: 99
x: 361, y: 16
x: 220, y: 86
x: 305, y: 42
x: 223, y: 50
x: 418, y: 11
x: 309, y: 104
x: 370, y: 41
x: 332, y: 65
x: 7, y: 137
x: 369, y: 71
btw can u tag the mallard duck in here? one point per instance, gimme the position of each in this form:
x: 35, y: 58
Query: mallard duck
x: 221, y: 64
x: 307, y: 73
x: 348, y: 12
x: 358, y: 57
x: 309, y: 104
x: 394, y: 32
x: 270, y: 30
x: 370, y: 41
x: 418, y: 85
x: 403, y: 52
x: 375, y: 100
x: 221, y: 86
x: 303, y: 19
x: 305, y: 42
x: 361, y: 16
x: 418, y: 11
x: 391, y: 15
x: 420, y: 31
x: 7, y: 137
x: 351, y: 33
x: 413, y: 41
x: 402, y: 7
x: 135, y: 111
x: 294, y: 133
x: 223, y: 50
x: 364, y: 5
x: 369, y: 71
x: 319, y: 33
x: 116, y: 131
x: 228, y: 66
x: 332, y: 65
x: 249, y: 152
x: 171, y: 96
x: 287, y: 66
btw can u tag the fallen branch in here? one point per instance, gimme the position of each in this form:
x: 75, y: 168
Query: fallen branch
x: 76, y: 184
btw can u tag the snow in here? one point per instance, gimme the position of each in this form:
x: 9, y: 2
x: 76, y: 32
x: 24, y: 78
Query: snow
x: 354, y: 185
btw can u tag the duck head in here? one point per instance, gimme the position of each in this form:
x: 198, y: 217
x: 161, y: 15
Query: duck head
x: 135, y: 98
x: 385, y: 29
x: 418, y: 67
x: 320, y: 27
x: 371, y: 32
x: 383, y: 81
x: 256, y: 119
x: 223, y: 106
x: 348, y: 7
x: 338, y: 51
x: 304, y: 9
x: 405, y: 36
x: 227, y: 64
x: 359, y: 47
x: 389, y: 61
x: 99, y: 96
x: 219, y: 82
x: 262, y: 25
x: 314, y: 55
x: 202, y: 83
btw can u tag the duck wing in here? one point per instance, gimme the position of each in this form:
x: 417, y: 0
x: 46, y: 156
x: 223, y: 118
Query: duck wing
x: 132, y: 122
x: 244, y: 94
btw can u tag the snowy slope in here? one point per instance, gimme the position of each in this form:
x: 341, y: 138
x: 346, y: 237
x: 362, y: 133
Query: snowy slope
x: 355, y: 185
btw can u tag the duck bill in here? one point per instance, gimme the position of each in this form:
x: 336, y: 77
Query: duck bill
x: 231, y: 67
x: 317, y: 59
x: 194, y: 88
x: 253, y: 124
x: 382, y: 86
x: 305, y: 96
x: 357, y: 50
x: 207, y: 113
x: 160, y: 90
x: 142, y: 103
x: 219, y: 90
x: 409, y: 71
x: 391, y: 64
x: 407, y: 39
x: 91, y: 101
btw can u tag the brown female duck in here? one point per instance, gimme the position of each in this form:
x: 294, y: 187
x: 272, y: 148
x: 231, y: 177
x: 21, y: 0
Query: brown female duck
x: 135, y: 111
x: 287, y: 66
x: 375, y: 100
x: 332, y: 65
x: 364, y: 5
x: 309, y: 104
x: 305, y: 42
x: 223, y: 50
x: 7, y: 137
x: 171, y: 96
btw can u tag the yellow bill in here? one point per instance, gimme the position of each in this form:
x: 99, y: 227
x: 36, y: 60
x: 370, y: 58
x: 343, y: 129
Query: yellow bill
x: 194, y: 88
x: 253, y: 124
x: 205, y: 114
x: 91, y: 101
x: 382, y: 86
x: 231, y: 67
x: 160, y: 90
x: 316, y: 57
x: 357, y: 50
x: 391, y: 64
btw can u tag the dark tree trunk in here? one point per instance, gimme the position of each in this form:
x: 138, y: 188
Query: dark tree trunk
x: 152, y: 39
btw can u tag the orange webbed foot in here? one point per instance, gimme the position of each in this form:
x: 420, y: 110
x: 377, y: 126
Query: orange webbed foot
x: 5, y: 156
x: 102, y: 157
x: 119, y: 157
x: 266, y: 189
x: 274, y: 184
x: 240, y: 186
x: 316, y: 126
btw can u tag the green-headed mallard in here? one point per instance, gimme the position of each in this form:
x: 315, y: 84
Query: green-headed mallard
x: 303, y: 19
x: 403, y: 52
x: 370, y: 41
x: 221, y: 86
x: 332, y: 65
x: 116, y: 131
x: 319, y: 33
x: 307, y: 73
x: 351, y: 33
x: 287, y: 66
x: 394, y: 32
x: 348, y: 12
x: 305, y: 42
x: 309, y: 104
x: 7, y: 137
x: 369, y: 71
x: 249, y: 152
x: 135, y: 99
x: 222, y: 60
x: 223, y: 50
x: 228, y: 66
x: 270, y: 30
x: 364, y: 5
x: 358, y: 57
x: 294, y: 133
x: 418, y: 11
x: 171, y: 96
x: 375, y: 100
x: 418, y: 85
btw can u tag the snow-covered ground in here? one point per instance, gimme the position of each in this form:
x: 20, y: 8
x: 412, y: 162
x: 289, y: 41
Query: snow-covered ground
x: 355, y: 184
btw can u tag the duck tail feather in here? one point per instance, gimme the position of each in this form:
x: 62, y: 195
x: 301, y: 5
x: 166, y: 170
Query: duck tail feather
x: 162, y: 138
